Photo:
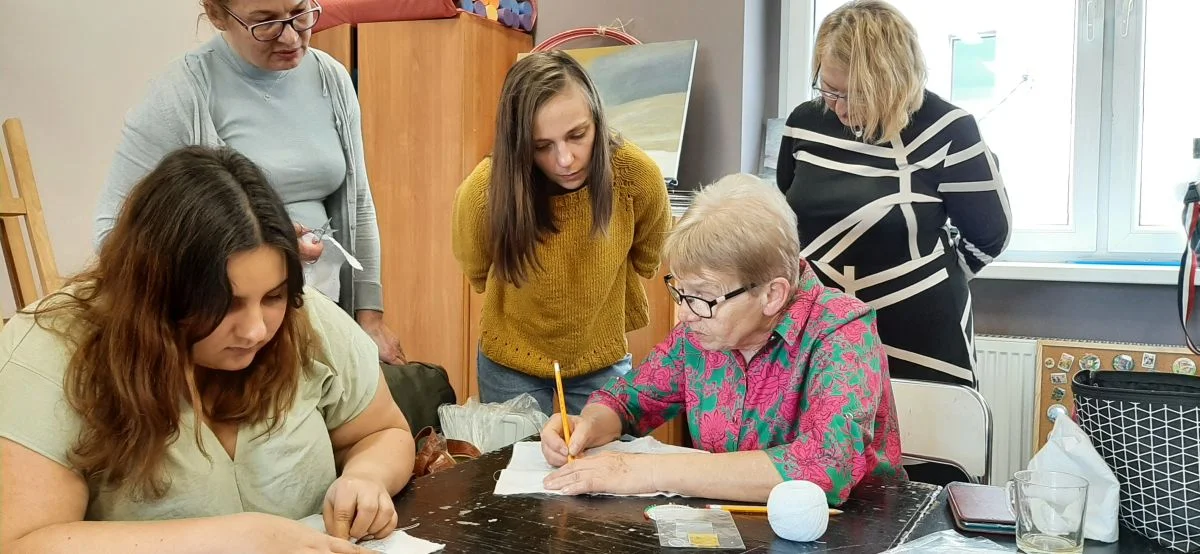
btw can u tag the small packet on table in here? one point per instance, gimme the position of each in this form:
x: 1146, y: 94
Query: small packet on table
x: 687, y: 527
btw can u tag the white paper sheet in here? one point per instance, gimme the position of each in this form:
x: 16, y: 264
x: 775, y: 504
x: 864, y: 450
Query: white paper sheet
x: 528, y: 468
x: 350, y: 259
x: 398, y: 542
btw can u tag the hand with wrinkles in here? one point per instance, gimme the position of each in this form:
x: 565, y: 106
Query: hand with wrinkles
x: 606, y: 472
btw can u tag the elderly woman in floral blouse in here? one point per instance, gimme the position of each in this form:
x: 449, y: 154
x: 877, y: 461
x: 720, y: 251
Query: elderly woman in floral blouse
x: 780, y: 377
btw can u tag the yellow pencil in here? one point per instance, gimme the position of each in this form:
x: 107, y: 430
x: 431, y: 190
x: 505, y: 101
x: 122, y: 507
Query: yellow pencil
x: 562, y: 409
x: 754, y: 509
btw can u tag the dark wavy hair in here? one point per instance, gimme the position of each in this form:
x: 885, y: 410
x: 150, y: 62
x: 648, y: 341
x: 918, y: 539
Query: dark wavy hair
x: 158, y: 286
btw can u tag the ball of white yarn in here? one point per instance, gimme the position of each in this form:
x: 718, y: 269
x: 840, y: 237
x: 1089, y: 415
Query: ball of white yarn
x: 798, y: 511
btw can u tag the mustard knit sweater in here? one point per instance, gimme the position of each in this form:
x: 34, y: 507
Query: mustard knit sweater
x: 578, y: 306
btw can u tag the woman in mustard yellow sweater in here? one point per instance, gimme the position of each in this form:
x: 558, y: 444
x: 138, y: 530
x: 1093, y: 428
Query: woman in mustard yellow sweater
x: 554, y: 229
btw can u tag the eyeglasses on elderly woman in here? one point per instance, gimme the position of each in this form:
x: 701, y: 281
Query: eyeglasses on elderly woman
x: 701, y: 307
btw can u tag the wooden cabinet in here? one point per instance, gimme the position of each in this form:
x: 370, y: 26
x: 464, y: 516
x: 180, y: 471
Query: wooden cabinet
x: 642, y: 341
x: 429, y: 91
x: 337, y: 42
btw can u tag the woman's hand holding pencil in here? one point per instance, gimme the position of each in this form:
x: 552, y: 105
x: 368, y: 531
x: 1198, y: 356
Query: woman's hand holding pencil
x: 555, y: 445
x: 565, y: 436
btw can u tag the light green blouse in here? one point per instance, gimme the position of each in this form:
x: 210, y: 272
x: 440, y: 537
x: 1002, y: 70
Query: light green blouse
x: 285, y: 473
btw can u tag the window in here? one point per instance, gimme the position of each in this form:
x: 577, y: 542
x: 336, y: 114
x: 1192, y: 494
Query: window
x: 1095, y: 148
x: 973, y: 69
x: 1156, y: 122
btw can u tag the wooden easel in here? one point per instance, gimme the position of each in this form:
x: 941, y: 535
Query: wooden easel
x: 25, y: 206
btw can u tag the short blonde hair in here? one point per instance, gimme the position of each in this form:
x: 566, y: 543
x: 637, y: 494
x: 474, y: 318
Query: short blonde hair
x: 740, y: 226
x: 885, y: 67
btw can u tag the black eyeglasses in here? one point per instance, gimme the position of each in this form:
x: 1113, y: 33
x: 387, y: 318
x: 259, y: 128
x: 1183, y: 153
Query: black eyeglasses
x: 826, y: 94
x: 829, y: 94
x: 268, y: 31
x: 699, y: 306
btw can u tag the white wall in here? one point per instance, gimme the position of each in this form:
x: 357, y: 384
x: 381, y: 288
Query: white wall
x: 754, y: 76
x: 70, y: 70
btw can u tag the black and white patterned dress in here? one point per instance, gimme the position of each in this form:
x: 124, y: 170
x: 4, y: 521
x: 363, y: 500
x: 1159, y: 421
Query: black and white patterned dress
x: 903, y: 226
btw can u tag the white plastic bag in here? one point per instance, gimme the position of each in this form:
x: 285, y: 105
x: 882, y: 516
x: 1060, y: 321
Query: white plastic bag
x: 949, y: 542
x: 1069, y: 450
x: 493, y: 425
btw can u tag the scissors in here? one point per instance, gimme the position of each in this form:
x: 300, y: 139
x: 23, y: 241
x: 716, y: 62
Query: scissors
x: 324, y: 231
x: 320, y: 232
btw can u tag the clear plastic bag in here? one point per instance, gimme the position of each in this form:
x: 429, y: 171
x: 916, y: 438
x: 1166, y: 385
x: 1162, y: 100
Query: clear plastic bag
x: 949, y: 542
x: 697, y: 529
x: 494, y: 425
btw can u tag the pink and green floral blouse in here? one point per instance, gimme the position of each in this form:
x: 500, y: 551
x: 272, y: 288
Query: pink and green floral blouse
x: 817, y: 398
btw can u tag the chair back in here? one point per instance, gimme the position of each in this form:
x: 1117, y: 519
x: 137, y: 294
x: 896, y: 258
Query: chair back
x: 944, y: 423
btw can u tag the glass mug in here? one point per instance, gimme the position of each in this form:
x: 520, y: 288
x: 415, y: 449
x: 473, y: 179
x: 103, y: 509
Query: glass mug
x: 1050, y: 507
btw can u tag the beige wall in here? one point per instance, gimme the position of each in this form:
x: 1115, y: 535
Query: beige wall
x: 70, y: 70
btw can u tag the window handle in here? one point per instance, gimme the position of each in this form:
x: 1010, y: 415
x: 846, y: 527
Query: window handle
x: 1087, y: 17
x: 1128, y: 18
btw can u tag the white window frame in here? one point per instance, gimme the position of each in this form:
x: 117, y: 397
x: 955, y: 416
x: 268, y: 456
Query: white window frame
x: 1097, y: 179
x: 796, y: 35
x: 1051, y: 242
x: 1125, y: 235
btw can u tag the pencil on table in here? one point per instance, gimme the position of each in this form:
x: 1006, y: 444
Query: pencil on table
x: 753, y: 509
x: 562, y: 409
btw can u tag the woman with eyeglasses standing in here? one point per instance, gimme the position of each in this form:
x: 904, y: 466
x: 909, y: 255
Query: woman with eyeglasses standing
x: 899, y: 200
x: 258, y: 88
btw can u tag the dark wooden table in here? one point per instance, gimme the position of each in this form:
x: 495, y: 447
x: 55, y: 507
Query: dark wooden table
x: 939, y: 519
x: 457, y: 508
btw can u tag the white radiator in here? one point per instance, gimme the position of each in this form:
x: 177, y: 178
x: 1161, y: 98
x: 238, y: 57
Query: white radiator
x: 1007, y: 370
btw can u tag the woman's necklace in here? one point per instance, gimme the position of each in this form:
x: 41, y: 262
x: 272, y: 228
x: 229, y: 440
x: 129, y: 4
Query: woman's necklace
x: 278, y: 78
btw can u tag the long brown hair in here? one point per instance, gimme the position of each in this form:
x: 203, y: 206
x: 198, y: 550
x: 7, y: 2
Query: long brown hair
x: 519, y: 209
x: 158, y: 286
x: 885, y: 68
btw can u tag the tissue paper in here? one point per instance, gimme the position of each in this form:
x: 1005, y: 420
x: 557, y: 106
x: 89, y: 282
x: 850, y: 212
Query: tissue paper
x: 1069, y: 450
